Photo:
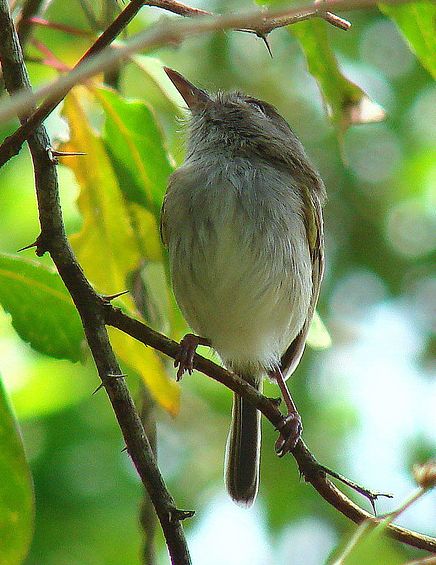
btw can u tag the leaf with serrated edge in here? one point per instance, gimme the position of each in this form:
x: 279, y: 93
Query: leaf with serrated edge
x: 42, y: 311
x: 16, y: 490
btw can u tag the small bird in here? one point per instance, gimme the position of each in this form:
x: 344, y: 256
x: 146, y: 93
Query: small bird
x: 242, y: 222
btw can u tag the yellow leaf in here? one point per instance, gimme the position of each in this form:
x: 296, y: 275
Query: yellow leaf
x: 146, y: 362
x: 116, y: 236
x: 106, y: 245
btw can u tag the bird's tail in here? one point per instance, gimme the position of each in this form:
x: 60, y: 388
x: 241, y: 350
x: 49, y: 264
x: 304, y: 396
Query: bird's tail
x: 243, y: 451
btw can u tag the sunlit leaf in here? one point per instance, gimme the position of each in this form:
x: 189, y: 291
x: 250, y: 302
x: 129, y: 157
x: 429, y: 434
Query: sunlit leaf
x: 346, y: 102
x: 119, y: 228
x: 417, y: 23
x: 16, y: 490
x: 106, y: 245
x: 318, y: 336
x: 42, y: 311
x: 137, y: 149
x: 141, y: 163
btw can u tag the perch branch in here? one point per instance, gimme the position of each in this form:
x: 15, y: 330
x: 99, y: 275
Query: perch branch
x: 89, y: 305
x: 313, y: 472
x: 101, y: 58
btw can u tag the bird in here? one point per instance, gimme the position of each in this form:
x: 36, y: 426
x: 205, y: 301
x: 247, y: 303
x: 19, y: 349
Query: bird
x: 242, y: 222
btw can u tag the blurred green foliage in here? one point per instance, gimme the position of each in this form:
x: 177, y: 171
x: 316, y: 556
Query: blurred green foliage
x: 16, y: 489
x: 380, y: 231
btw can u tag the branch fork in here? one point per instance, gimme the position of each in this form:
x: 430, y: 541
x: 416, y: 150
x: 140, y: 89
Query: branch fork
x: 96, y: 313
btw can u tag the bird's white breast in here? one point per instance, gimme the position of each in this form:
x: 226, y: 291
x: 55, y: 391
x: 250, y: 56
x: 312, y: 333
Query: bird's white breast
x: 239, y: 257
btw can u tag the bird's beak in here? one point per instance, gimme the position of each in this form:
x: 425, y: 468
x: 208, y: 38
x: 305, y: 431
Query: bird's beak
x: 193, y: 96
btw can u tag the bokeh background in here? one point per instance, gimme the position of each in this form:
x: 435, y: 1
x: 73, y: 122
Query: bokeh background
x: 367, y: 401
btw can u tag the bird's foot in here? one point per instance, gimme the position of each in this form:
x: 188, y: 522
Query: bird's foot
x: 290, y: 432
x: 185, y: 356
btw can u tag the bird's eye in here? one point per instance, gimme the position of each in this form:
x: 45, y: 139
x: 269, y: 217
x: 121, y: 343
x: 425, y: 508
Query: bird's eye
x: 256, y: 104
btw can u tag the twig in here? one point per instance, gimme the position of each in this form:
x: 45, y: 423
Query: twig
x: 369, y: 494
x: 260, y: 23
x: 25, y: 23
x: 12, y: 144
x: 313, y: 472
x: 261, y: 30
x: 61, y: 27
x: 89, y: 305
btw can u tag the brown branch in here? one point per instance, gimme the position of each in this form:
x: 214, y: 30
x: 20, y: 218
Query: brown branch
x: 261, y: 24
x: 168, y: 33
x: 261, y: 30
x: 24, y: 24
x: 313, y: 472
x: 12, y: 144
x: 89, y: 305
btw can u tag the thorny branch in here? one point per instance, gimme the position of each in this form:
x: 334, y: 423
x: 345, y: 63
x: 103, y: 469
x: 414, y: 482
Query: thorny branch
x: 100, y: 57
x: 95, y: 312
x: 89, y: 305
x: 311, y: 470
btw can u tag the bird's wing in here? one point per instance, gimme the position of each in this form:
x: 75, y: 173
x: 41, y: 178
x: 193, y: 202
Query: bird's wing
x: 162, y: 223
x: 315, y: 237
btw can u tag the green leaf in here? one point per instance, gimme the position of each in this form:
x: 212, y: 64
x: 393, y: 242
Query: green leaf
x: 106, y: 245
x: 142, y: 166
x: 120, y: 228
x: 417, y: 23
x: 137, y: 149
x: 16, y: 490
x: 42, y: 311
x: 346, y: 102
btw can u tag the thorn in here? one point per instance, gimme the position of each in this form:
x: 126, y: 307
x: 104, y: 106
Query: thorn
x: 53, y: 154
x: 109, y: 376
x: 264, y: 38
x: 34, y: 244
x: 275, y: 401
x: 67, y: 153
x: 176, y: 515
x: 100, y: 386
x: 110, y: 297
x: 122, y: 376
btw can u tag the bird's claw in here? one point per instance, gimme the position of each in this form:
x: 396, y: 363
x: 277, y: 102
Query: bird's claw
x: 290, y: 430
x: 185, y: 356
